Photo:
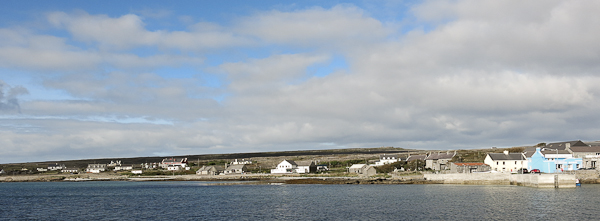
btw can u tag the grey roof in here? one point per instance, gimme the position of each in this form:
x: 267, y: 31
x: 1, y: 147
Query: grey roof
x: 509, y: 156
x: 236, y: 167
x: 438, y: 156
x: 593, y: 143
x: 304, y: 163
x: 562, y: 145
x: 592, y: 149
x: 555, y: 152
x: 208, y: 168
x: 291, y: 162
x: 416, y: 157
x: 529, y: 151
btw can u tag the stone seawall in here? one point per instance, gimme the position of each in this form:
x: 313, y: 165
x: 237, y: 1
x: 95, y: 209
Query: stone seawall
x: 530, y: 180
x: 471, y: 178
x: 544, y: 180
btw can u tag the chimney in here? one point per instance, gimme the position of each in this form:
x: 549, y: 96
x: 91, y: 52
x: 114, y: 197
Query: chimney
x: 506, y: 152
x: 567, y: 146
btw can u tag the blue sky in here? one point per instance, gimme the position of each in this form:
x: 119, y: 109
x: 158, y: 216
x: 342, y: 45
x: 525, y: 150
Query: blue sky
x: 98, y: 79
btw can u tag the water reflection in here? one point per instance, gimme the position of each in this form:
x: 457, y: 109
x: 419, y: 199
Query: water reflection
x: 204, y: 201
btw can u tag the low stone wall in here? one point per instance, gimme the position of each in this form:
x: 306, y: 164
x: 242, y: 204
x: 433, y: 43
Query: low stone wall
x: 531, y: 180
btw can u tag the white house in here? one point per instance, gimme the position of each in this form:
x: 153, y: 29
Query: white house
x: 173, y: 168
x: 114, y: 163
x: 236, y: 162
x: 95, y: 168
x: 306, y: 167
x: 56, y: 166
x: 170, y: 162
x: 70, y: 170
x: 123, y: 167
x: 506, y: 162
x: 136, y: 171
x: 286, y: 166
x: 387, y: 159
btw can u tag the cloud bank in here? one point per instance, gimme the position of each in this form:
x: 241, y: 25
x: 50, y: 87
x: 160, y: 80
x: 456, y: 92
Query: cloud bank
x: 444, y: 75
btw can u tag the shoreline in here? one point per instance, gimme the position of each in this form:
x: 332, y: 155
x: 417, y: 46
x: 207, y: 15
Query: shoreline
x: 256, y: 178
x: 262, y: 179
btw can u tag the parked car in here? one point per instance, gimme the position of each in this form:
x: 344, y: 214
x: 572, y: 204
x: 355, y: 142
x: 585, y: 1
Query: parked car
x: 522, y: 170
x: 535, y: 171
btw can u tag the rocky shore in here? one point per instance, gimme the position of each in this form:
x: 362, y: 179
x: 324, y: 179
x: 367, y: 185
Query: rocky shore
x: 255, y: 178
x: 588, y: 177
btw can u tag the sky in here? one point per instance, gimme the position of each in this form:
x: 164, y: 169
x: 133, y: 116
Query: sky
x: 109, y: 79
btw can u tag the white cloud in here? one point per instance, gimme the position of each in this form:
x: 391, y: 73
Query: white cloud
x: 471, y: 74
x: 269, y: 73
x: 315, y: 27
x: 128, y: 31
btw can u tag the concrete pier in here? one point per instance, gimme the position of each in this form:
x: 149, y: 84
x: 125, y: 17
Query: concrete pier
x: 544, y: 180
x: 530, y: 180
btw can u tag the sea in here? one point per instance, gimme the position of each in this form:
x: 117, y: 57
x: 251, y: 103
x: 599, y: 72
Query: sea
x: 194, y: 200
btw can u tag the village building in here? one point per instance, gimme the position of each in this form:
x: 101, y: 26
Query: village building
x: 551, y: 161
x: 290, y: 166
x: 306, y: 167
x: 70, y: 170
x: 173, y: 168
x: 150, y: 165
x: 210, y: 170
x: 2, y: 171
x: 236, y: 162
x: 56, y: 166
x: 120, y: 167
x: 41, y: 169
x: 564, y: 145
x: 114, y: 163
x: 417, y: 160
x: 439, y: 161
x: 285, y: 166
x: 387, y: 159
x: 590, y: 156
x: 95, y: 168
x: 362, y: 169
x: 322, y: 167
x: 136, y: 171
x: 506, y: 161
x: 469, y: 167
x: 235, y: 169
x: 174, y: 164
x: 416, y: 157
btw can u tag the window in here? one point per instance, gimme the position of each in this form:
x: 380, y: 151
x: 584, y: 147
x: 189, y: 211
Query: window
x: 504, y: 163
x: 496, y: 163
x: 515, y: 162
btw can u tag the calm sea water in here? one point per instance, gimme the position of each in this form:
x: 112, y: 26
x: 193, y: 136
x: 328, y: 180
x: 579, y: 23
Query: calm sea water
x: 199, y: 201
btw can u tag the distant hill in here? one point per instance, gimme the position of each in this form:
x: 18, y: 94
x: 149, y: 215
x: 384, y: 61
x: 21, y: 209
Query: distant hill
x: 139, y: 160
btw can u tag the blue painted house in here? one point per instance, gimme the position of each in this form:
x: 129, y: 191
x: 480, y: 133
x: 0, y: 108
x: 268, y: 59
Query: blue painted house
x: 551, y: 161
